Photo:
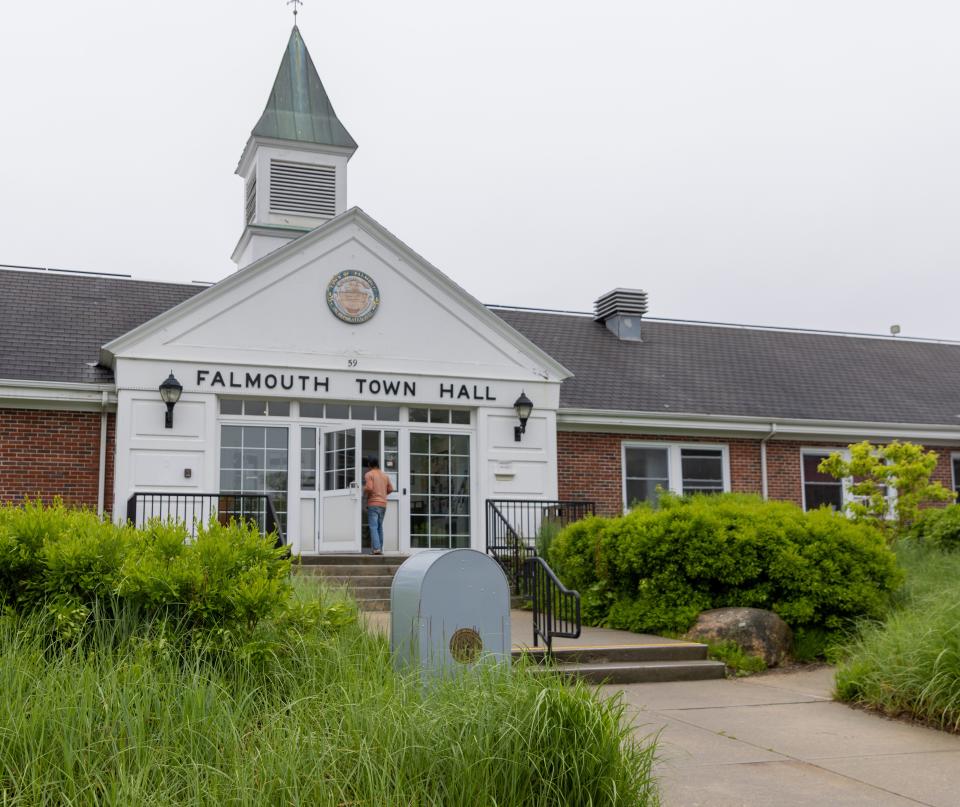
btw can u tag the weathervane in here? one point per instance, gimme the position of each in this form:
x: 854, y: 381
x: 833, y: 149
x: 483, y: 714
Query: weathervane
x: 294, y: 3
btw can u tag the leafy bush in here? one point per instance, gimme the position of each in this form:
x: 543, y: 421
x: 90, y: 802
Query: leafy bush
x: 654, y: 570
x: 909, y: 664
x: 871, y: 472
x: 938, y: 528
x: 64, y: 561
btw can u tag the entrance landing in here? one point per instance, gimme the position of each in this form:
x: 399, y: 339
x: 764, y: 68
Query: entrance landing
x: 602, y: 655
x: 521, y: 632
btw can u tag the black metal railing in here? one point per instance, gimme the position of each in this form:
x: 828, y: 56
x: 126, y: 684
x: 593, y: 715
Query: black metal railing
x: 556, y: 608
x: 192, y: 509
x: 515, y: 527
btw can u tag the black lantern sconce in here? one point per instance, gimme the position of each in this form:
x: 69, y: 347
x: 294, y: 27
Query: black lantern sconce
x: 170, y: 393
x: 524, y: 406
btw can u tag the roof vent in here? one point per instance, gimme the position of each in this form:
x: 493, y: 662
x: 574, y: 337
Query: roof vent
x: 621, y: 311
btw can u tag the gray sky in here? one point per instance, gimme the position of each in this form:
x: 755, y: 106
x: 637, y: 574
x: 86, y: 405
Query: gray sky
x: 767, y: 162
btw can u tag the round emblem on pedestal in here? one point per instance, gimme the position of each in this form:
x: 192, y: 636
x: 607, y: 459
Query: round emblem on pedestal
x: 353, y: 296
x: 465, y: 646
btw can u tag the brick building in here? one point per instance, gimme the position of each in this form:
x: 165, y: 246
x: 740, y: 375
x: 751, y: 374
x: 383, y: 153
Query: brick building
x: 334, y: 342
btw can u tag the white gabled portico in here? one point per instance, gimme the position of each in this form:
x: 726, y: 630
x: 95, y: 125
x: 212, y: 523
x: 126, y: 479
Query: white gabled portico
x: 282, y: 396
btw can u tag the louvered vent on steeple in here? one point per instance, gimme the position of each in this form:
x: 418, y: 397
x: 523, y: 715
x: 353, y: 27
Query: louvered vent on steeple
x: 251, y: 200
x: 301, y: 189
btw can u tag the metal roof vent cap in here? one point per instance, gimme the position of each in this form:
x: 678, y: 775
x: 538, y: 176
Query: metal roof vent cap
x: 621, y: 311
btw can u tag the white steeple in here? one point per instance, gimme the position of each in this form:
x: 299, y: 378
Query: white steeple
x: 294, y: 165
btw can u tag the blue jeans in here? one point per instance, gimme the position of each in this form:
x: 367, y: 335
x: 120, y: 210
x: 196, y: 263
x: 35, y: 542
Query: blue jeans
x: 375, y: 523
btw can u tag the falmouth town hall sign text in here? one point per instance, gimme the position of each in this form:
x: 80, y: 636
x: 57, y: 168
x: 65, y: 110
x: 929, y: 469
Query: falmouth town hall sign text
x: 320, y: 385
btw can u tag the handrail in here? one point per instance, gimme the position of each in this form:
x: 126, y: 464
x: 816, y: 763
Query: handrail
x: 508, y: 547
x: 556, y: 608
x: 514, y: 527
x: 195, y: 508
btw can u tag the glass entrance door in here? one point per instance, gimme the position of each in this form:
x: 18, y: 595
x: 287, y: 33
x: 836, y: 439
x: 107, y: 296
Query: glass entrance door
x: 384, y: 446
x: 341, y: 492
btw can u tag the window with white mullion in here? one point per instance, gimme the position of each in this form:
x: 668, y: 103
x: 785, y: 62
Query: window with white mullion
x: 682, y: 468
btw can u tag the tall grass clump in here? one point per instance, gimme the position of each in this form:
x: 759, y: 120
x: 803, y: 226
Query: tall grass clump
x: 154, y: 702
x: 909, y: 664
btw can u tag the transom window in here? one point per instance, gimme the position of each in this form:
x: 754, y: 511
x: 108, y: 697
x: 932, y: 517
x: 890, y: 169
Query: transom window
x: 649, y: 468
x: 251, y: 407
x: 427, y: 415
x: 342, y: 411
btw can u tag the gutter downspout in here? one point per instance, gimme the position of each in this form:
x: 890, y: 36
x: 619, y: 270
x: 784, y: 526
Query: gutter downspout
x: 102, y: 476
x: 763, y: 462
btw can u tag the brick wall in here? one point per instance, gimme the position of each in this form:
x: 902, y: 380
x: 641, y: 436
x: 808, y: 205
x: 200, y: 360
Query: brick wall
x: 589, y: 465
x: 49, y: 453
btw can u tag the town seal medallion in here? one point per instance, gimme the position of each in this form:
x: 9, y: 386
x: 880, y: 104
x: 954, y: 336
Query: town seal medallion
x: 352, y: 296
x: 465, y: 646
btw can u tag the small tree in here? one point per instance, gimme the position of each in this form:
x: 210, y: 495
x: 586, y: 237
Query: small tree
x: 876, y: 470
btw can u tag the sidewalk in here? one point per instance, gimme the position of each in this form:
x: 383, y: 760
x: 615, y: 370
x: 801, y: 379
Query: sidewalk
x: 778, y: 739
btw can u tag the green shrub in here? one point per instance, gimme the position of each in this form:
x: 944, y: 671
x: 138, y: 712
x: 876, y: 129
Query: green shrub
x: 938, y: 527
x: 909, y: 664
x: 654, y: 570
x: 738, y: 660
x: 64, y: 561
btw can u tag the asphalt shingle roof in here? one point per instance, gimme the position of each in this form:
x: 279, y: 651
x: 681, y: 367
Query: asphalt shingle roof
x: 52, y: 326
x: 715, y: 370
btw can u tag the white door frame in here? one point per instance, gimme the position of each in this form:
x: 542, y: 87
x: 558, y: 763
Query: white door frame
x: 340, y: 506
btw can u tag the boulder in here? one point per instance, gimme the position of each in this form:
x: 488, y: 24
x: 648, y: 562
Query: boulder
x: 759, y: 632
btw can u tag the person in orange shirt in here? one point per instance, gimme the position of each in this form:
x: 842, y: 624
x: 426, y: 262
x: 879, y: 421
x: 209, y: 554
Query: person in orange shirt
x: 376, y: 487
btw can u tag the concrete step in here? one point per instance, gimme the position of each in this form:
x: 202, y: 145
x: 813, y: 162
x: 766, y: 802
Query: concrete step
x: 374, y: 604
x: 613, y: 654
x: 372, y: 579
x: 352, y: 560
x: 361, y: 593
x: 640, y: 672
x: 348, y: 571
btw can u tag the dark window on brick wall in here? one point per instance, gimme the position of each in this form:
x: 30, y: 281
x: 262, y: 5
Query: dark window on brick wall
x: 819, y: 489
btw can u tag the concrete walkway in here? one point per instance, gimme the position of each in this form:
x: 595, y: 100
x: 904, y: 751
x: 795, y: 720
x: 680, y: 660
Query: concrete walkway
x: 521, y: 633
x: 778, y: 739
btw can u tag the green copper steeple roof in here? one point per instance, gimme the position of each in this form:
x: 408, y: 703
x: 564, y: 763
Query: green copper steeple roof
x: 298, y: 107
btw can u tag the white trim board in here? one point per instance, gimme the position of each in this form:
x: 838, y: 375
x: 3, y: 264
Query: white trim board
x: 594, y: 420
x: 16, y: 394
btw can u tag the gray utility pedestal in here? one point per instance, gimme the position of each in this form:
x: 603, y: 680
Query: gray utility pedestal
x: 449, y: 609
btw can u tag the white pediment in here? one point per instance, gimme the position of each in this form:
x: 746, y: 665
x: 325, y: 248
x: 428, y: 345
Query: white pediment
x: 274, y: 312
